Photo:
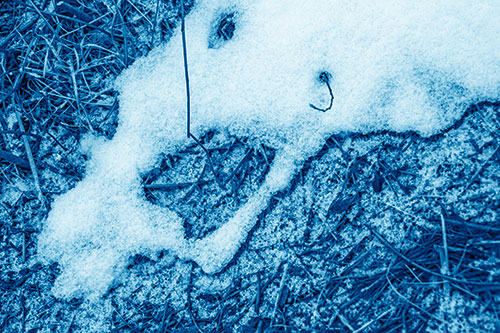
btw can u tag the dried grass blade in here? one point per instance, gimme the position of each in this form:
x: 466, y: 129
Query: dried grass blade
x: 31, y: 161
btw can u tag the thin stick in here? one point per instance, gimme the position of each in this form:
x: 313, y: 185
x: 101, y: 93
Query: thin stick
x: 31, y: 161
x: 280, y: 292
x: 170, y: 187
x: 257, y: 296
x: 75, y: 89
x: 125, y: 34
x: 186, y: 74
x: 188, y: 98
x: 445, y: 269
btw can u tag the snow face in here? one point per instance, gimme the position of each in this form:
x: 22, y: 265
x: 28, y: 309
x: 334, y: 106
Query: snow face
x: 392, y: 65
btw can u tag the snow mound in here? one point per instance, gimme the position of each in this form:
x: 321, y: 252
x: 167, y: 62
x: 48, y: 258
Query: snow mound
x: 256, y: 69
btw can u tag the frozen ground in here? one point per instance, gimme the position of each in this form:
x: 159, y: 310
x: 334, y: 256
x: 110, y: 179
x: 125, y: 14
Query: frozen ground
x: 373, y: 231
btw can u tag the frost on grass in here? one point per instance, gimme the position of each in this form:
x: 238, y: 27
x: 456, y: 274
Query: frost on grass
x: 255, y: 70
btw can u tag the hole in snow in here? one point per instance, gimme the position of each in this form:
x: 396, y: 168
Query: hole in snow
x: 324, y: 77
x: 223, y: 30
x: 185, y: 184
x: 226, y: 27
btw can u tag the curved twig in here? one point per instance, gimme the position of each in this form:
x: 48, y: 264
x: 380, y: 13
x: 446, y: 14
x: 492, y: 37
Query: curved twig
x: 324, y: 77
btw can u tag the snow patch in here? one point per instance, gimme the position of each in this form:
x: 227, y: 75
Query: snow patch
x: 400, y: 66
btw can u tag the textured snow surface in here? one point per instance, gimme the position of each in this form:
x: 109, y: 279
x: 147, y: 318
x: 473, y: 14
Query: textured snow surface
x: 393, y: 65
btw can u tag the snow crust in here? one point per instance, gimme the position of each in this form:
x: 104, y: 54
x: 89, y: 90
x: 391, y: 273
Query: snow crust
x: 394, y: 65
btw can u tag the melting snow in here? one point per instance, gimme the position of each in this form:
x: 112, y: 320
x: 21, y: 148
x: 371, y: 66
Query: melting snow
x: 255, y: 70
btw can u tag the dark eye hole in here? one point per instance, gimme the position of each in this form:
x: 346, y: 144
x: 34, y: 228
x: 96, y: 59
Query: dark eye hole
x: 324, y: 77
x: 223, y: 30
x: 226, y: 27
